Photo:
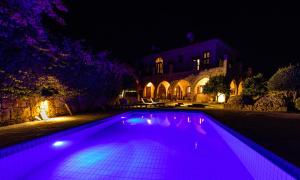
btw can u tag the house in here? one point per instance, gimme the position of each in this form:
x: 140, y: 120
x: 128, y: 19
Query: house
x: 181, y: 73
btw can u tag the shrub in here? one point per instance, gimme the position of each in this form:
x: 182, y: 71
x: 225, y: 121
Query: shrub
x: 255, y: 86
x: 285, y: 79
x: 271, y: 102
x: 240, y: 100
x: 217, y: 84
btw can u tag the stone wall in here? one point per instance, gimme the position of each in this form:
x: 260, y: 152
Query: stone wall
x: 13, y: 111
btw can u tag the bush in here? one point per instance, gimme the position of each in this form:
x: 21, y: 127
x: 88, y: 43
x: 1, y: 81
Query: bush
x: 285, y: 79
x: 255, y: 86
x: 297, y: 104
x: 240, y: 100
x: 271, y: 102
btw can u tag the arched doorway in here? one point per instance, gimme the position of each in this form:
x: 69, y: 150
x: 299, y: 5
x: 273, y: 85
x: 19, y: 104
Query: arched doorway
x: 180, y: 89
x: 163, y: 90
x: 149, y: 90
x: 198, y: 90
x: 233, y: 88
x: 178, y: 92
x: 240, y: 88
x: 200, y: 84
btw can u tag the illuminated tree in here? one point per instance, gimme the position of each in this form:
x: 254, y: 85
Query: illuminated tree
x: 217, y: 84
x: 31, y: 57
x: 255, y: 86
x: 286, y: 79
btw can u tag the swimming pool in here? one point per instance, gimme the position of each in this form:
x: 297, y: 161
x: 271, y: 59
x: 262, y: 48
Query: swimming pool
x: 145, y: 145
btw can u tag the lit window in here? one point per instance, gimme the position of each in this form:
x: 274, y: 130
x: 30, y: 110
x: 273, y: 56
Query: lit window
x: 159, y: 65
x: 206, y: 57
x: 188, y: 89
x: 196, y: 62
x: 200, y: 89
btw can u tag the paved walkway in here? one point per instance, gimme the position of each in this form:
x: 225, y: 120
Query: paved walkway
x: 20, y: 132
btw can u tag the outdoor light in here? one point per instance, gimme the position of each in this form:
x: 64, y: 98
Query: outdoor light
x: 221, y: 97
x: 149, y: 121
x: 43, y: 110
x: 60, y: 144
x: 149, y: 84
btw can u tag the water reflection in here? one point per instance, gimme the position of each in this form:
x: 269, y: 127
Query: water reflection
x: 180, y: 120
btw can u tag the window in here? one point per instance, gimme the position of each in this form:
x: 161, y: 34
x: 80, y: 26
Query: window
x: 188, y: 89
x: 206, y: 57
x: 159, y: 65
x: 196, y: 63
x: 200, y: 89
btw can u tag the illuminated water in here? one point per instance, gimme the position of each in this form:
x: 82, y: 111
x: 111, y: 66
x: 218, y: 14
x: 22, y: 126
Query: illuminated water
x: 139, y: 145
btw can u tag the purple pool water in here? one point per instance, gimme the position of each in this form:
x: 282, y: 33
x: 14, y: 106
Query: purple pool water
x: 140, y: 145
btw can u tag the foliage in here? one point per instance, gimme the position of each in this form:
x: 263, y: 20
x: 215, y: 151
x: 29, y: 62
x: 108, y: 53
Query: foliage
x: 255, y: 86
x: 35, y: 62
x: 50, y: 86
x: 24, y: 41
x: 297, y: 104
x: 217, y: 84
x: 240, y: 100
x: 285, y: 79
x: 16, y: 85
x: 271, y: 102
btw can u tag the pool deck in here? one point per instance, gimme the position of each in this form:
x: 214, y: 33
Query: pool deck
x: 16, y: 133
x: 277, y: 132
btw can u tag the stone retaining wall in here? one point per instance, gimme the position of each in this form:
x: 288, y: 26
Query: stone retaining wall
x: 19, y: 111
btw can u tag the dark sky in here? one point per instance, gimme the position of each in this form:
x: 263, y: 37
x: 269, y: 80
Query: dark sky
x: 266, y: 35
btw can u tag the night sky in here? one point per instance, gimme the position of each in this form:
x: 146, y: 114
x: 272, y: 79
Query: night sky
x: 266, y: 35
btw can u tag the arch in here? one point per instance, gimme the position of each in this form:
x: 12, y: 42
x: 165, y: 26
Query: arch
x: 199, y: 85
x: 199, y: 96
x: 163, y: 90
x: 149, y: 90
x: 181, y: 89
x: 233, y: 88
x: 240, y: 88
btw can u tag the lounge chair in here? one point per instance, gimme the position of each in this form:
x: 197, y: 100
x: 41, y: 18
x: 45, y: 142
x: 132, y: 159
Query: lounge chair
x: 147, y: 101
x: 157, y: 103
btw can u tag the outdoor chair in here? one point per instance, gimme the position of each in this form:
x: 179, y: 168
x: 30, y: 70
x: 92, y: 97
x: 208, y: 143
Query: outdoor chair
x: 157, y: 103
x: 147, y: 101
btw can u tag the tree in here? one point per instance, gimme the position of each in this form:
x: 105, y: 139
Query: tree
x: 31, y: 57
x: 217, y: 85
x: 24, y: 40
x: 255, y: 86
x: 285, y: 79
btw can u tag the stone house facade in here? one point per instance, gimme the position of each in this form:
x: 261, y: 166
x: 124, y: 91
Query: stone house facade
x: 180, y: 74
